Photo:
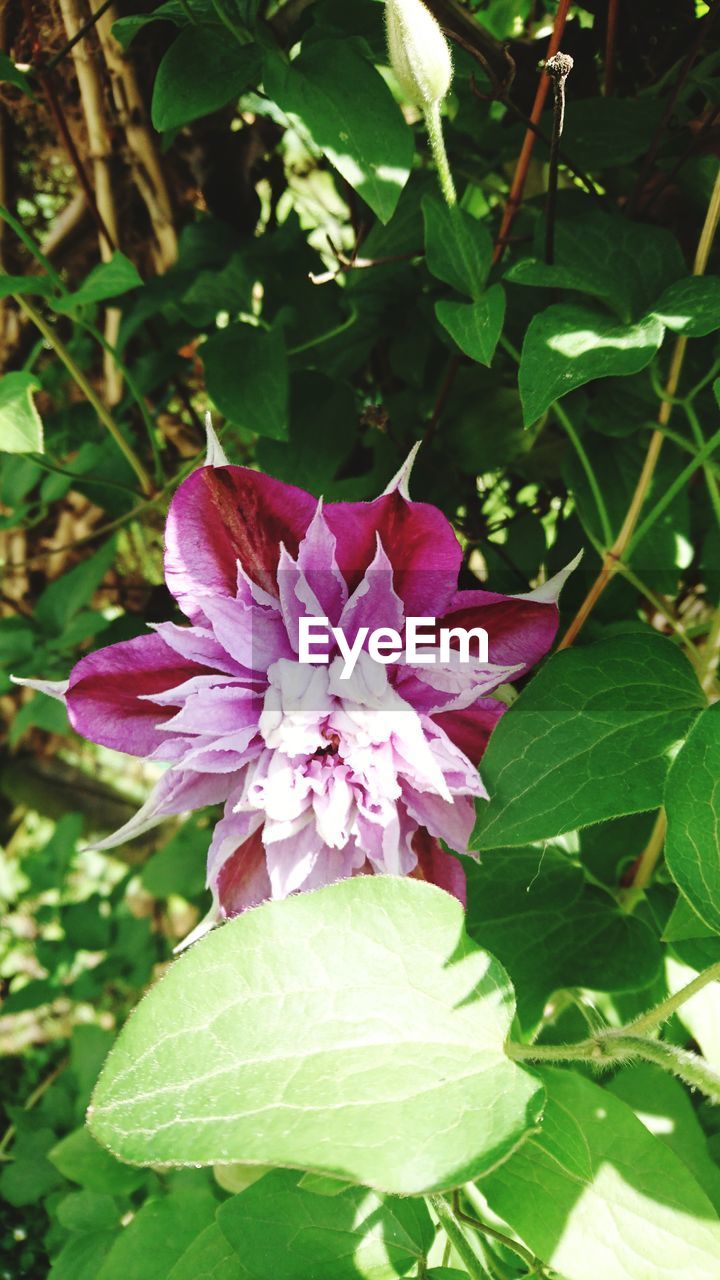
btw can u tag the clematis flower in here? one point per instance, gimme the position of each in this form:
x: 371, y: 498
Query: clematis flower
x: 321, y: 776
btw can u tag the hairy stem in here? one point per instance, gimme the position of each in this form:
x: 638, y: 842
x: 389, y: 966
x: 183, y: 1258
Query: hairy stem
x: 433, y: 120
x: 457, y: 1237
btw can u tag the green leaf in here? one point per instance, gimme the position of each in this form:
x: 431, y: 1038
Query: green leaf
x: 179, y: 866
x: 594, y: 1194
x: 356, y: 1031
x: 624, y: 264
x: 81, y: 1160
x: 30, y: 1175
x: 40, y: 285
x: 281, y: 1230
x: 175, y: 11
x: 21, y: 429
x: 87, y: 1211
x: 247, y: 378
x: 322, y: 414
x: 589, y: 739
x: 11, y: 74
x: 210, y: 1256
x: 82, y: 1256
x: 691, y: 306
x: 692, y: 803
x: 108, y: 280
x: 202, y: 70
x: 458, y: 248
x: 568, y: 345
x: 65, y: 596
x: 475, y: 326
x: 158, y: 1235
x: 351, y: 116
x: 664, y: 1107
x: 533, y: 910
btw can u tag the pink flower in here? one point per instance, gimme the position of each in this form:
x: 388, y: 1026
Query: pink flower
x: 321, y: 776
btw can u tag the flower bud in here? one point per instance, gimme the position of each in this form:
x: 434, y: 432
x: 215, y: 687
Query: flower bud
x: 419, y: 52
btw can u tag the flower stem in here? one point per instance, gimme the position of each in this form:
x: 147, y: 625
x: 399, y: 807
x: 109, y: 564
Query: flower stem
x: 88, y: 391
x: 433, y: 120
x: 457, y: 1237
x: 665, y: 1009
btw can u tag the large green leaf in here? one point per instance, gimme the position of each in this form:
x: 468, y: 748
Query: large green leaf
x: 158, y: 1235
x: 664, y: 1107
x: 351, y: 116
x: 568, y: 345
x: 691, y: 306
x: 533, y: 910
x: 624, y: 264
x: 247, y: 378
x: 202, y: 70
x: 283, y: 1232
x: 596, y: 1195
x: 475, y: 326
x: 458, y: 248
x: 692, y: 803
x: 589, y: 739
x: 355, y: 1031
x: 21, y: 428
x: 210, y: 1256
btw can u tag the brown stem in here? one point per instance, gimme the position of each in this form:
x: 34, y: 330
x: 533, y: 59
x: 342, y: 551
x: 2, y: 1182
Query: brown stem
x: 610, y: 39
x: 615, y: 553
x: 528, y: 146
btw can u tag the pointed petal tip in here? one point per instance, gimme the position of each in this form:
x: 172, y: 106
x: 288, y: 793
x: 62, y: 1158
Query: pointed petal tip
x: 548, y: 592
x: 206, y: 925
x: 401, y: 481
x: 53, y: 688
x: 214, y: 454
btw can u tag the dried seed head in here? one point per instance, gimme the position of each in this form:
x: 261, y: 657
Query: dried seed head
x: 559, y: 66
x: 419, y: 52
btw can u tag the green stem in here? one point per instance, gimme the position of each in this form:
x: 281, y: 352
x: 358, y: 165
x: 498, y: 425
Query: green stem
x: 433, y: 121
x: 666, y: 1008
x: 457, y: 1237
x: 241, y: 36
x: 188, y: 12
x: 59, y: 283
x: 671, y: 492
x: 476, y: 1200
x: 586, y: 465
x: 88, y: 391
x: 710, y: 479
x: 567, y: 425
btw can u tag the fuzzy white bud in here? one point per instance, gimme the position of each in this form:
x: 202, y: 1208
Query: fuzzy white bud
x: 419, y: 53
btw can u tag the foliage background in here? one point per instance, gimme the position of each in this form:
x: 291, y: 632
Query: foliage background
x: 191, y: 220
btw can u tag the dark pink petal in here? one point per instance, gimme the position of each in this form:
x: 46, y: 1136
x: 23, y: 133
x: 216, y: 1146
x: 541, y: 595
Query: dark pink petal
x: 198, y: 644
x: 106, y: 698
x: 220, y: 515
x: 470, y: 728
x: 439, y: 867
x: 242, y: 880
x: 419, y: 540
x: 521, y: 629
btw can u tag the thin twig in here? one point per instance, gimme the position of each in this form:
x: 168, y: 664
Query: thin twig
x: 79, y: 35
x: 558, y: 68
x: 610, y: 41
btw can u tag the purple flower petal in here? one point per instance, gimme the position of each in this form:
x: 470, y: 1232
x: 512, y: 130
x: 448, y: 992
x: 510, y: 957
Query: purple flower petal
x: 108, y: 691
x: 222, y: 515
